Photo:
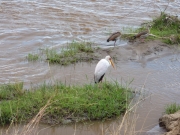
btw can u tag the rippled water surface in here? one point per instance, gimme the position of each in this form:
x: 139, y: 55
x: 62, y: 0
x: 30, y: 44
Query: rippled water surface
x: 27, y: 26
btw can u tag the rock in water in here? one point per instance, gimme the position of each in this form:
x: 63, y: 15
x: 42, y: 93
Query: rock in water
x: 171, y: 122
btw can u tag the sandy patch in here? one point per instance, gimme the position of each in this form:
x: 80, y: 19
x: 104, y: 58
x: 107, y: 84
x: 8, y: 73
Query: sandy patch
x: 137, y: 51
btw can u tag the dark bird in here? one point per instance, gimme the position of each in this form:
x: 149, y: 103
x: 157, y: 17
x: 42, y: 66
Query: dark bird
x: 143, y: 34
x: 114, y: 37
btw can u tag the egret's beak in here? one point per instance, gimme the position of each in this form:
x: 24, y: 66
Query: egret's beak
x: 112, y: 63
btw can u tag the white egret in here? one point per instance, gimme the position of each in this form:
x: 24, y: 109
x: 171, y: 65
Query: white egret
x: 101, y: 68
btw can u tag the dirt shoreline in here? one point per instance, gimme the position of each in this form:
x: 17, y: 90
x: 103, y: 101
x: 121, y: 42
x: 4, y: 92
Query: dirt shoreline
x: 137, y: 51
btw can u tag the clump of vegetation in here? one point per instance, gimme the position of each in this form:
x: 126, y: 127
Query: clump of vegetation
x: 32, y: 57
x: 128, y: 36
x: 164, y: 27
x: 73, y: 52
x: 167, y: 27
x: 75, y: 103
x: 10, y: 91
x: 172, y: 108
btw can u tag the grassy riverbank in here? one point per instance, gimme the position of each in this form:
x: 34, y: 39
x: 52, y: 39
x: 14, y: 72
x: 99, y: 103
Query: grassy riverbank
x: 165, y: 27
x: 72, y: 103
x: 172, y: 108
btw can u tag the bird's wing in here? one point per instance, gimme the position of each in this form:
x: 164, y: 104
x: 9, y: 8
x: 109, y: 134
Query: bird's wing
x: 141, y: 33
x: 101, y: 69
x: 114, y: 33
x: 113, y: 36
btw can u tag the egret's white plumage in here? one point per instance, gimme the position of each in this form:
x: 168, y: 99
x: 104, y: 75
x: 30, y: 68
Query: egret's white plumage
x: 101, y: 68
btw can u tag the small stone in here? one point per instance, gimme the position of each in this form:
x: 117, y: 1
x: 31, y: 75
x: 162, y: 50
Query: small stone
x: 171, y: 122
x: 66, y: 121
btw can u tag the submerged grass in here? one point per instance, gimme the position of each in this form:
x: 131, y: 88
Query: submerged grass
x: 32, y: 57
x: 75, y: 103
x: 172, y: 108
x: 73, y: 52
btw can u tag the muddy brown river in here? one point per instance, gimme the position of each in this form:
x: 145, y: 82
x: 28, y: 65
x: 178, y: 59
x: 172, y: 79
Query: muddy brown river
x: 28, y: 26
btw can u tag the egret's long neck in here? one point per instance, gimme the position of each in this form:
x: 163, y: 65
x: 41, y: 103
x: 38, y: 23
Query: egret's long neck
x: 109, y: 62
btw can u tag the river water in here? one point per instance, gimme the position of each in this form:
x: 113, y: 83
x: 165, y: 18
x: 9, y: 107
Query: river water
x: 28, y: 26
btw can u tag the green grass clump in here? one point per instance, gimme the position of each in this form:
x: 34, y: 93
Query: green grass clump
x: 10, y: 91
x: 172, y: 108
x: 32, y: 57
x: 73, y: 52
x: 167, y: 27
x: 164, y: 27
x: 127, y: 36
x: 67, y: 102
